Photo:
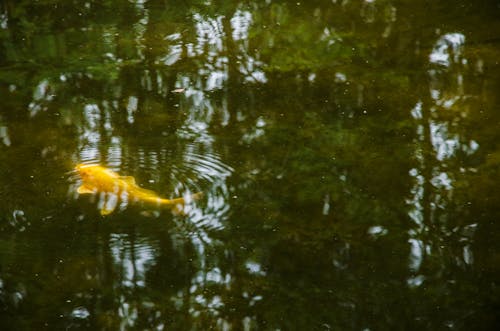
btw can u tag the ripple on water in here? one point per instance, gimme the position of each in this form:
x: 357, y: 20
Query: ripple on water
x: 135, y: 255
x: 210, y: 176
x: 192, y: 170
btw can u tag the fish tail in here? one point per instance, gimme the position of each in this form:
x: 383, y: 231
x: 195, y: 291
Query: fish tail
x: 177, y: 201
x: 181, y: 201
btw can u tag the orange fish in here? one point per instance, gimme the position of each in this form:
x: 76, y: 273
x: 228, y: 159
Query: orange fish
x: 98, y: 179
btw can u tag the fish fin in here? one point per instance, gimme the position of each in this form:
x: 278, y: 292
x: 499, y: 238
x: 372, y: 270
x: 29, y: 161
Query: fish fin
x: 109, y: 204
x: 106, y: 210
x: 128, y: 179
x: 85, y: 189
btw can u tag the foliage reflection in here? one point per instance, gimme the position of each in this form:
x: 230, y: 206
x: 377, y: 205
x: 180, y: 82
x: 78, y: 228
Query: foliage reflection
x: 347, y: 151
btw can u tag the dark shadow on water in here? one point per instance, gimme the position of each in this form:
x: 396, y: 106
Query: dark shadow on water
x: 347, y: 152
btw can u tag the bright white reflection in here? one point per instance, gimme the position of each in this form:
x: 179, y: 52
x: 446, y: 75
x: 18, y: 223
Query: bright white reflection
x: 240, y: 23
x: 127, y: 313
x: 330, y: 36
x: 90, y: 137
x: 217, y: 78
x: 447, y: 49
x: 95, y: 123
x: 416, y: 254
x: 209, y: 169
x: 417, y: 194
x: 467, y: 255
x: 255, y: 132
x: 445, y: 144
x: 139, y: 3
x: 4, y: 20
x: 114, y: 153
x: 132, y: 103
x: 80, y: 313
x: 42, y: 94
x: 173, y: 37
x: 255, y: 268
x: 133, y: 258
x: 210, y: 33
x: 210, y: 42
x: 446, y: 139
x: 4, y: 135
x: 249, y: 66
x: 174, y: 55
x: 416, y: 112
x: 251, y: 69
x: 377, y: 231
x: 340, y: 77
x: 415, y: 281
x: 442, y: 180
x: 140, y: 28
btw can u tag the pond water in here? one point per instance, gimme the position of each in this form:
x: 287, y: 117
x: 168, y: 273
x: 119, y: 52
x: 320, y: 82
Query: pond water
x: 347, y: 151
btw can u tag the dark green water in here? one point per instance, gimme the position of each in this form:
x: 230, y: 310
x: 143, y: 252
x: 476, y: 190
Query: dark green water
x: 348, y: 152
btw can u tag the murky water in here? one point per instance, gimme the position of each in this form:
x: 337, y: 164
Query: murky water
x: 347, y: 152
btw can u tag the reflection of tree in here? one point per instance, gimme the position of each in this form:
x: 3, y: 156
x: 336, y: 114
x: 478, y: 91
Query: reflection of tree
x: 444, y: 223
x: 304, y: 101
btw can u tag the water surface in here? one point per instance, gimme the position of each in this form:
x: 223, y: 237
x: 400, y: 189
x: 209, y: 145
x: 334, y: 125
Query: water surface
x: 347, y: 151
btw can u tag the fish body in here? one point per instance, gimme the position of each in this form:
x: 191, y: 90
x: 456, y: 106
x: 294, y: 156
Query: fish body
x: 98, y: 179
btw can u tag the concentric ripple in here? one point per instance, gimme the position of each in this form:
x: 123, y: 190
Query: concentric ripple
x: 190, y: 169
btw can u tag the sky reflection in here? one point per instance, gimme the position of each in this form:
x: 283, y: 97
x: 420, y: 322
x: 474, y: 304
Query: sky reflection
x: 433, y: 184
x: 346, y: 152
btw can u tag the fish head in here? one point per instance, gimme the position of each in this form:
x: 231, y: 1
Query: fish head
x: 86, y: 171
